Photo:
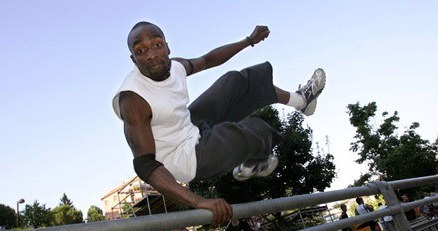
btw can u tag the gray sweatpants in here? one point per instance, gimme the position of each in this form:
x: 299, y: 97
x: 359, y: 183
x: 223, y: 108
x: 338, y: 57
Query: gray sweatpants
x: 227, y: 137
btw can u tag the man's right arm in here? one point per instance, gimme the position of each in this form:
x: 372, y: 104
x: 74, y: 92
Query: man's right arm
x: 136, y: 114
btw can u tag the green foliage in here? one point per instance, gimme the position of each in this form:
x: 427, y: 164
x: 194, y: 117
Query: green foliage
x: 299, y: 171
x: 127, y: 210
x: 7, y: 217
x: 66, y: 201
x: 363, y: 179
x: 66, y: 214
x: 36, y: 215
x: 389, y: 156
x: 95, y: 214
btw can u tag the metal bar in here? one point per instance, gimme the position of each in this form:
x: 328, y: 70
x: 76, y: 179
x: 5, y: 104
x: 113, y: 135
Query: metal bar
x: 330, y: 215
x: 418, y: 203
x: 349, y: 222
x: 301, y: 218
x: 400, y: 220
x: 149, y: 204
x: 414, y: 182
x: 164, y: 203
x: 199, y: 217
x: 389, y: 211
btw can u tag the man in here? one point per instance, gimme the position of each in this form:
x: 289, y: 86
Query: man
x: 363, y: 208
x: 344, y: 215
x: 410, y: 214
x: 211, y: 137
x: 387, y: 221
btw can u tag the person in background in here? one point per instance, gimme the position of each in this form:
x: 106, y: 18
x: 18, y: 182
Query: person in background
x: 387, y: 221
x: 363, y: 208
x: 410, y: 214
x: 344, y: 215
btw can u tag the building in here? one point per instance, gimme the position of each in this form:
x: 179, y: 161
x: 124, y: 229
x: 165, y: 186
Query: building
x: 135, y: 198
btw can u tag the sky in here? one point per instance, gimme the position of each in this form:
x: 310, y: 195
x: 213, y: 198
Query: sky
x: 61, y: 62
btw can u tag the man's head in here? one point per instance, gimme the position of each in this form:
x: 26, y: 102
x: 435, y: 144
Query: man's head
x: 359, y: 200
x: 149, y: 50
x: 343, y: 207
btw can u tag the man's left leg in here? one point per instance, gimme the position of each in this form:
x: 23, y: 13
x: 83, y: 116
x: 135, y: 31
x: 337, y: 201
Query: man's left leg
x: 235, y: 95
x: 305, y: 98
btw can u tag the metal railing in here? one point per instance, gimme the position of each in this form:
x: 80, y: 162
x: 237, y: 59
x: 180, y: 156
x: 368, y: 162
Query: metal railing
x: 201, y: 217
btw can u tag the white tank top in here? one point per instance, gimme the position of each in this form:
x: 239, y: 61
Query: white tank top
x: 175, y: 135
x: 361, y: 209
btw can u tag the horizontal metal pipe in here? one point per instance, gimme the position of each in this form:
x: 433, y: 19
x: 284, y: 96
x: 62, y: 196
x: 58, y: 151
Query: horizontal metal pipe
x: 300, y: 201
x: 163, y: 221
x: 392, y: 210
x: 414, y: 182
x: 418, y: 203
x: 200, y: 217
x: 349, y: 222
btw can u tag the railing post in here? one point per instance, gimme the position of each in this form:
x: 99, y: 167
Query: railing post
x: 392, y: 202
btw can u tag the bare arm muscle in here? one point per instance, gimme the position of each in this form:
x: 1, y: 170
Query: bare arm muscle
x: 136, y: 114
x: 223, y: 53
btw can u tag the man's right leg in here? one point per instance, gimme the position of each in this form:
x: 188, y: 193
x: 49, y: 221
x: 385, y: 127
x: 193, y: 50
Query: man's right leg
x: 229, y: 144
x: 227, y: 141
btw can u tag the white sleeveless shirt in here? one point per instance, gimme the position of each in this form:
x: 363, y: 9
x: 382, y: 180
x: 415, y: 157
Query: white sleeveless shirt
x: 174, y: 134
x: 361, y: 209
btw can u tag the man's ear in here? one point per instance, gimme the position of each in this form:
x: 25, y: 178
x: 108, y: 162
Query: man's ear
x: 133, y: 60
x: 168, y: 49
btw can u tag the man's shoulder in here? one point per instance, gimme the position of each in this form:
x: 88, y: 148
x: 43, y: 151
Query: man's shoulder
x: 132, y: 98
x: 129, y: 95
x: 180, y: 64
x: 133, y: 105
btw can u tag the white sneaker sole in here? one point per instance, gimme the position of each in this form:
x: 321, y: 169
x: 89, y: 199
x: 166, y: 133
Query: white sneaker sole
x: 240, y: 177
x: 272, y: 165
x: 318, y: 77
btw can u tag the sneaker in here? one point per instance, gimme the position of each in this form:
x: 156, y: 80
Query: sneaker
x: 263, y: 169
x: 312, y: 90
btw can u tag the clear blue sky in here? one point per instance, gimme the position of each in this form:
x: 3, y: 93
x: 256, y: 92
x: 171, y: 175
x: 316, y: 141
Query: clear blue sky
x: 62, y: 61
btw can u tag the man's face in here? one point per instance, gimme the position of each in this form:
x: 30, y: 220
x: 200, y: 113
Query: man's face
x: 149, y: 51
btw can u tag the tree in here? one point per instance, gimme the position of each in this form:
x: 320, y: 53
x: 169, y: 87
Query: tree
x: 95, y: 214
x: 389, y: 156
x: 66, y: 201
x: 65, y: 214
x: 37, y: 215
x: 299, y: 171
x: 7, y: 217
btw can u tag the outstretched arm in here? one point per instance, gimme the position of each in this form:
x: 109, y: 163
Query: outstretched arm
x: 222, y: 54
x: 137, y: 114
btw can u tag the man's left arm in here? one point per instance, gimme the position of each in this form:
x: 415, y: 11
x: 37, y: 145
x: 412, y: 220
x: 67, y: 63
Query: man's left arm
x: 223, y: 53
